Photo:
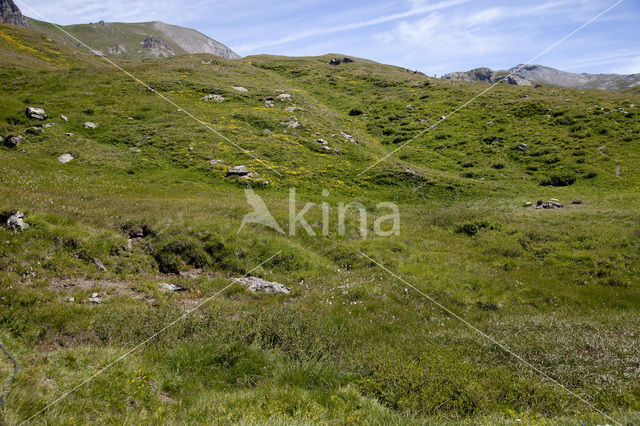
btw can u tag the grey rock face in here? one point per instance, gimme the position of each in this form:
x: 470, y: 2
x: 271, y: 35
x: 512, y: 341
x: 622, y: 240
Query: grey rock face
x: 36, y: 113
x: 487, y: 75
x: 10, y: 14
x: 157, y: 47
x: 258, y: 285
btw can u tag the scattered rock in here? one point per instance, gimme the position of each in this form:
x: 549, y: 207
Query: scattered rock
x: 266, y: 131
x: 284, y: 97
x: 322, y: 141
x: 523, y: 147
x: 13, y: 141
x: 239, y: 88
x: 293, y: 122
x: 69, y: 134
x: 65, y: 158
x: 95, y: 298
x: 15, y: 220
x: 528, y: 204
x: 190, y: 148
x: 69, y: 299
x: 238, y: 171
x: 258, y: 285
x: 64, y: 118
x: 135, y: 149
x: 269, y: 104
x: 34, y: 130
x: 348, y: 137
x: 551, y: 204
x: 442, y: 117
x: 336, y: 62
x: 214, y: 162
x: 99, y: 264
x: 89, y: 125
x: 47, y: 125
x: 213, y: 97
x: 292, y: 108
x: 36, y: 113
x: 171, y: 287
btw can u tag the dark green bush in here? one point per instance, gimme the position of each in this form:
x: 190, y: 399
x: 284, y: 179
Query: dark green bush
x: 558, y: 179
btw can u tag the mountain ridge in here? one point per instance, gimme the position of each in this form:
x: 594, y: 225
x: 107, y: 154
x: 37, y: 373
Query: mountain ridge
x: 138, y: 40
x: 528, y: 75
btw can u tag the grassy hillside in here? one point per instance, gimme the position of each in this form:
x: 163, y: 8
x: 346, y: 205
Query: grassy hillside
x: 350, y: 343
x: 125, y: 40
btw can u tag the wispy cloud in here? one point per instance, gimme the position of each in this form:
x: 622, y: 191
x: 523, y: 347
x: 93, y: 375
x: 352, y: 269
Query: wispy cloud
x: 417, y: 9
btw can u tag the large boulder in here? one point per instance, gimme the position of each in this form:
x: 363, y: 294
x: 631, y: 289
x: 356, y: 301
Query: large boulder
x: 15, y: 220
x: 36, y: 113
x: 238, y: 171
x: 12, y: 141
x: 258, y: 285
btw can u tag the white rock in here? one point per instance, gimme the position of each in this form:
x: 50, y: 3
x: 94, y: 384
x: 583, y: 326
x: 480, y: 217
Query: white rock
x: 239, y: 88
x: 258, y: 285
x: 65, y: 158
x: 64, y: 118
x: 171, y: 287
x: 213, y: 97
x: 89, y: 125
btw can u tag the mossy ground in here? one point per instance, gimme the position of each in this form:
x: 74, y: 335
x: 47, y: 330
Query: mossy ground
x: 350, y: 344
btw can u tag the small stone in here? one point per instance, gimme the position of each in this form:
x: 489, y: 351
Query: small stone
x: 348, y: 137
x: 528, y: 204
x: 99, y: 264
x: 65, y: 158
x: 64, y: 118
x: 214, y: 162
x: 69, y: 134
x: 240, y: 88
x: 213, y: 97
x: 284, y: 97
x: 269, y: 104
x: 171, y: 287
x: 266, y: 131
x: 89, y: 125
x: 47, y: 125
x: 69, y: 299
x: 190, y: 148
x: 523, y: 147
x: 322, y: 141
x: 95, y: 298
x: 36, y: 113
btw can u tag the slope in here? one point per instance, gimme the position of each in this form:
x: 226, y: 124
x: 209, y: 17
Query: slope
x: 148, y: 196
x: 135, y: 40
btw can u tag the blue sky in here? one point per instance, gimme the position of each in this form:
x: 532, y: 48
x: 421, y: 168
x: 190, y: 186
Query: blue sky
x: 434, y: 36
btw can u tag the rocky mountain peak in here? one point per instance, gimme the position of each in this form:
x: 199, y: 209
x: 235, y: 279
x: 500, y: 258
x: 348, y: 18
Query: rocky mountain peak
x: 10, y: 14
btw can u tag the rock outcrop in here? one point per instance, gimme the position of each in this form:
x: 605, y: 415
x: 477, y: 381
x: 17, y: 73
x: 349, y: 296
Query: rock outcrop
x: 10, y: 14
x: 156, y: 47
x: 488, y: 75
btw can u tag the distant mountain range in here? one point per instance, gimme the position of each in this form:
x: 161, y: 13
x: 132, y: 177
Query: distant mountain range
x: 527, y: 75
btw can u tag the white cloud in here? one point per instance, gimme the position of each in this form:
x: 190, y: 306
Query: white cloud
x: 418, y: 9
x: 633, y: 67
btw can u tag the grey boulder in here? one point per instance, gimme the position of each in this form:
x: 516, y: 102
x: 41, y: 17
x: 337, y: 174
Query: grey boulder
x: 36, y: 113
x: 12, y: 141
x: 16, y: 221
x: 258, y: 285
